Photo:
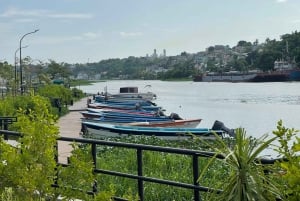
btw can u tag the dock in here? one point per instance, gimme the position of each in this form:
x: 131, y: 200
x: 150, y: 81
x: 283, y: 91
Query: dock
x: 70, y: 126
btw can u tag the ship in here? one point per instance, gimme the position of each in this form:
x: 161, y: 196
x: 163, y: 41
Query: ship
x: 232, y: 76
x: 284, y: 71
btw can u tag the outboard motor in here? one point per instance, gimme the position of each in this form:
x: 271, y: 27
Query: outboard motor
x: 218, y: 125
x: 175, y: 116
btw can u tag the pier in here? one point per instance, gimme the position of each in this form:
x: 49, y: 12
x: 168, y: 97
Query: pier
x: 70, y: 126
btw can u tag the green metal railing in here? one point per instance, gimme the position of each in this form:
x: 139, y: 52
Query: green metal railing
x: 140, y: 177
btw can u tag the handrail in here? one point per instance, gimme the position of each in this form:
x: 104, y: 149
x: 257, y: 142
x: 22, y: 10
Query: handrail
x: 196, y: 187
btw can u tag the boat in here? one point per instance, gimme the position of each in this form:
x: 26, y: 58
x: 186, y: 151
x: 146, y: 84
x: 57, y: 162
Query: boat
x: 232, y: 76
x: 284, y: 71
x: 97, y: 113
x: 131, y: 92
x: 102, y: 130
x: 121, y: 106
x: 272, y: 76
x: 114, y: 118
x: 138, y: 118
x: 187, y: 123
x: 124, y: 101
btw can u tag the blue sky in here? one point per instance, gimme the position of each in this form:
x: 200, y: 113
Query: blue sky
x: 80, y: 31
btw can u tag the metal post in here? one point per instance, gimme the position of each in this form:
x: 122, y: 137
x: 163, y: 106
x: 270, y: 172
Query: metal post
x: 196, y: 177
x: 21, y: 76
x: 140, y: 173
x: 16, y: 68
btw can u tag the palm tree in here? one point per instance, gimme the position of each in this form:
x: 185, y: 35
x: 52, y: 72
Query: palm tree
x: 247, y: 180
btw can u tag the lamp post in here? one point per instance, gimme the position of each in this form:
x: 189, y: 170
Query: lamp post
x: 20, y: 48
x: 16, y: 67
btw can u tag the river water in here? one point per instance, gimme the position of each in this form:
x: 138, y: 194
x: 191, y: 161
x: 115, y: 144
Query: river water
x: 257, y: 107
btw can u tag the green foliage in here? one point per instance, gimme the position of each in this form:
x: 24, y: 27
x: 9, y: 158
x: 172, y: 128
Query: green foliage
x: 247, y: 180
x: 56, y: 70
x: 159, y: 165
x: 74, y: 83
x: 250, y: 56
x: 289, y: 148
x: 59, y: 97
x: 11, y: 105
x: 56, y: 91
x: 29, y: 167
x: 81, y: 164
x: 77, y: 93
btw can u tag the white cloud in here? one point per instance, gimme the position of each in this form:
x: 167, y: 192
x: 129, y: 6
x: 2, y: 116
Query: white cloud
x: 25, y: 20
x: 91, y: 35
x: 56, y: 40
x: 295, y: 21
x: 71, y: 16
x: 66, y: 39
x: 130, y: 34
x: 14, y: 12
x: 281, y: 1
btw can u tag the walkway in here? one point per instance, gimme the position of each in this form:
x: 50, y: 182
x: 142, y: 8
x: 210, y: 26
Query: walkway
x: 70, y: 126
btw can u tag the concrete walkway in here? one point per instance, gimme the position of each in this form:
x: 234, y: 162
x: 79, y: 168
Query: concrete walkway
x: 70, y: 126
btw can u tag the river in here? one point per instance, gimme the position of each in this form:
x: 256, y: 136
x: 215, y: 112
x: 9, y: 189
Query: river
x: 257, y: 107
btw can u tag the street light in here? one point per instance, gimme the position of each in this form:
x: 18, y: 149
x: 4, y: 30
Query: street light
x: 20, y: 48
x: 16, y: 66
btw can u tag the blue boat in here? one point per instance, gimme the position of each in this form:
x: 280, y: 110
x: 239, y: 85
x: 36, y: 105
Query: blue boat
x: 123, y: 107
x: 123, y: 101
x: 111, y: 130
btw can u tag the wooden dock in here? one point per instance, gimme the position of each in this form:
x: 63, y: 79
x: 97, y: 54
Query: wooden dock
x: 70, y: 126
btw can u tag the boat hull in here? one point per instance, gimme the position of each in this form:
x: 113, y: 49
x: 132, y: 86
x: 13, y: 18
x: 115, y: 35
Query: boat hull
x: 225, y: 78
x: 109, y: 130
x: 271, y: 77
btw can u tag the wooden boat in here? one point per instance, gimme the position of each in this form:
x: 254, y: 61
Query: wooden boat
x: 111, y: 130
x: 186, y: 123
x: 124, y: 119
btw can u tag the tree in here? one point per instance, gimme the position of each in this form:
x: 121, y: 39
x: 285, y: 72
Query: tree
x: 266, y: 60
x: 30, y: 167
x: 57, y: 70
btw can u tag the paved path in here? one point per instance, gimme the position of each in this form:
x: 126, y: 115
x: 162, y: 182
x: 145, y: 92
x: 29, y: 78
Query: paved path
x: 69, y: 126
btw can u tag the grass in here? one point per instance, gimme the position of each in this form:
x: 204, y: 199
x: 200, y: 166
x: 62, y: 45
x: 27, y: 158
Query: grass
x: 239, y: 175
x: 165, y: 166
x: 75, y: 83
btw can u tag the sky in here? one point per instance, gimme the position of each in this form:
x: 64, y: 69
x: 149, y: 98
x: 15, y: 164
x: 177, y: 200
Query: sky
x: 82, y: 31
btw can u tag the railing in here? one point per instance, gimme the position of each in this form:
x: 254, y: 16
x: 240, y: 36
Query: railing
x: 139, y: 177
x: 4, y: 122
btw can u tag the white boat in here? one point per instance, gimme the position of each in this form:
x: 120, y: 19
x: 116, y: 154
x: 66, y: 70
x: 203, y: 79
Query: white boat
x: 132, y: 92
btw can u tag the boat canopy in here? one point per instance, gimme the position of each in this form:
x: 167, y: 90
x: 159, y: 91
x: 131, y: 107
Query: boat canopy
x: 128, y: 90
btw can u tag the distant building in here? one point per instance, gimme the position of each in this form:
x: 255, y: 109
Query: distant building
x: 154, y: 55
